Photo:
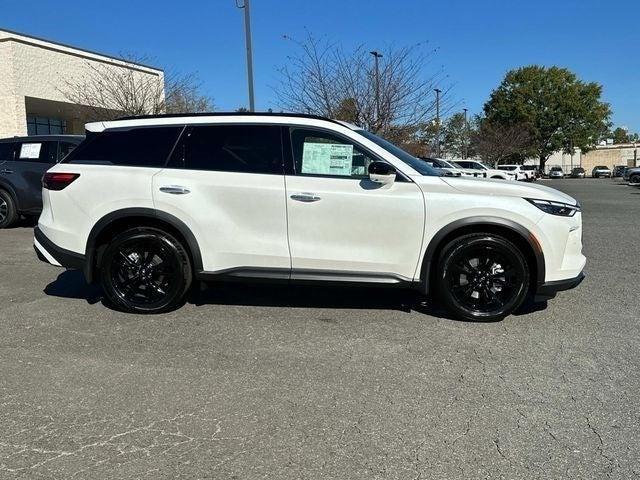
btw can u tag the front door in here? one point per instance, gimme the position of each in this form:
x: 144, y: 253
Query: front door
x: 341, y: 222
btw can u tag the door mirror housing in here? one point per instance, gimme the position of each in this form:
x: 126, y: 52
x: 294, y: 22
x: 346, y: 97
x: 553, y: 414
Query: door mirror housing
x: 382, y: 172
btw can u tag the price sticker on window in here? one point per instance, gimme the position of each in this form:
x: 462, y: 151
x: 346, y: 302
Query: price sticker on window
x: 327, y: 159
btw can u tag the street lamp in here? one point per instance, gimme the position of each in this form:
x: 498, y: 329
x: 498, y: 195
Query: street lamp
x: 466, y: 133
x: 247, y: 34
x: 438, y: 91
x: 377, y: 55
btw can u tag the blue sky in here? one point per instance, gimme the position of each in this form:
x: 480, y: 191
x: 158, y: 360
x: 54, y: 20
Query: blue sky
x: 477, y: 40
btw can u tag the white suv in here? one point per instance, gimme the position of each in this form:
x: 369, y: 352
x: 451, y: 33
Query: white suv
x: 148, y: 205
x: 475, y: 166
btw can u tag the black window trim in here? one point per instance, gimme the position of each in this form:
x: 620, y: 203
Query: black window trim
x: 400, y: 176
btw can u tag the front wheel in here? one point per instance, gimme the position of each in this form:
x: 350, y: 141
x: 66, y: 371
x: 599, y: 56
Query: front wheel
x: 634, y: 179
x: 482, y: 277
x: 145, y: 270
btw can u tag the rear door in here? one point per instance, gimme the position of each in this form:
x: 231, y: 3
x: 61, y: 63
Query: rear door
x: 226, y: 183
x: 31, y: 160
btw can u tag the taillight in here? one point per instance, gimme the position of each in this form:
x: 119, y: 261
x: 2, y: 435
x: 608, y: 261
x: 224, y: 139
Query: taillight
x: 58, y: 181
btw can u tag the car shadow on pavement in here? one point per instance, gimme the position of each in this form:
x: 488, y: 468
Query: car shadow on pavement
x: 71, y: 284
x: 309, y: 296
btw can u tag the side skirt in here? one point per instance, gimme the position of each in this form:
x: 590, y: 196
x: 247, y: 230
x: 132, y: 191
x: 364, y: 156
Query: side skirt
x: 308, y: 276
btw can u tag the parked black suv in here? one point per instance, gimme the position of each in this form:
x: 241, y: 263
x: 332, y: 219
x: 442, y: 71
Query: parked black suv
x: 23, y: 161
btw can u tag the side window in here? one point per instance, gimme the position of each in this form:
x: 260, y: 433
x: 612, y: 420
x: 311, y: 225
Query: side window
x: 230, y: 148
x: 64, y: 149
x: 41, y: 152
x: 322, y: 153
x: 7, y: 151
x: 137, y: 147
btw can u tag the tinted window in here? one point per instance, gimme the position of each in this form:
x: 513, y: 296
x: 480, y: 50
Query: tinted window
x: 41, y: 152
x: 64, y: 149
x: 6, y: 151
x: 322, y: 153
x: 138, y: 147
x: 230, y: 148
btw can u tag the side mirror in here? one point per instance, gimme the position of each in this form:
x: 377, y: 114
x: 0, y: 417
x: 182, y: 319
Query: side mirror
x: 382, y: 172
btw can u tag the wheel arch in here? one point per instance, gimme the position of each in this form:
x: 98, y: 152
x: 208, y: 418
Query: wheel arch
x: 7, y: 187
x: 513, y: 231
x: 115, y: 222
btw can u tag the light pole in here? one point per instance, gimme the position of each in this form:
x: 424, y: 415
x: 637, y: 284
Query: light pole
x: 438, y: 91
x: 377, y: 55
x: 247, y: 33
x: 466, y: 133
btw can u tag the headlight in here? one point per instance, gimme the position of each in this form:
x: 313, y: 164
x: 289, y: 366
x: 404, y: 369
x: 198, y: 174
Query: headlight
x: 555, y: 208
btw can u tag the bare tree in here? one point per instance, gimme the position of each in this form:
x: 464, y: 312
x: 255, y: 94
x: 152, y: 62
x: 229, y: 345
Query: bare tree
x: 496, y: 143
x: 324, y: 79
x: 106, y: 92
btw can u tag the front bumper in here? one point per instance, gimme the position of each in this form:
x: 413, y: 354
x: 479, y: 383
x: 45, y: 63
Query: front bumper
x: 49, y: 252
x: 549, y: 290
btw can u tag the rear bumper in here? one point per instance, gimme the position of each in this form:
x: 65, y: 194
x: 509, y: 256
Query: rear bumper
x: 49, y: 252
x: 549, y: 289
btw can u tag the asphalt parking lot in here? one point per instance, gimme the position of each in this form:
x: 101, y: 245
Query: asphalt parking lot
x: 274, y: 382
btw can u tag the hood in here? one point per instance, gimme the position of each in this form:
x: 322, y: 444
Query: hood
x: 482, y: 186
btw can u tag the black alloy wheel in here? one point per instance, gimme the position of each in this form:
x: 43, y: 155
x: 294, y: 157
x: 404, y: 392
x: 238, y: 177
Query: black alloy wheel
x: 482, y: 277
x: 8, y: 213
x: 145, y: 270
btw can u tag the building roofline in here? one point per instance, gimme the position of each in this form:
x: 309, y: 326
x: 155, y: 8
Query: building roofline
x: 92, y: 52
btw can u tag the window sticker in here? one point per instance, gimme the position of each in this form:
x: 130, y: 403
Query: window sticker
x: 327, y: 158
x: 30, y: 150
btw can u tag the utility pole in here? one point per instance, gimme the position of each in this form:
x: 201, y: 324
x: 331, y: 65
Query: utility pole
x: 377, y: 55
x: 247, y: 33
x: 466, y: 134
x: 438, y: 91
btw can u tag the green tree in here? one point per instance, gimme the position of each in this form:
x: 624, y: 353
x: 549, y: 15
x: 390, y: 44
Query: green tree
x: 558, y: 110
x: 456, y: 137
x: 620, y: 135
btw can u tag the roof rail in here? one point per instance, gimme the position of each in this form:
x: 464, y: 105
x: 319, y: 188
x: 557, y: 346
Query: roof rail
x: 226, y: 114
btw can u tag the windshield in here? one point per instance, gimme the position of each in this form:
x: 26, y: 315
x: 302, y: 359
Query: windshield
x: 504, y: 167
x: 556, y: 169
x: 418, y: 165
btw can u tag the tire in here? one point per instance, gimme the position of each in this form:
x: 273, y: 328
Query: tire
x: 498, y: 177
x: 145, y: 270
x: 482, y: 277
x: 8, y: 211
x: 634, y: 178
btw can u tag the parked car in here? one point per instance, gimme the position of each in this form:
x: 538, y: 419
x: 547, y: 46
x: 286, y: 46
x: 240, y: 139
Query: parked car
x: 516, y: 170
x: 473, y: 166
x: 632, y: 175
x: 443, y: 166
x: 618, y: 170
x: 601, y: 171
x: 556, y: 172
x: 577, y: 172
x: 148, y: 205
x: 23, y: 161
x: 532, y: 172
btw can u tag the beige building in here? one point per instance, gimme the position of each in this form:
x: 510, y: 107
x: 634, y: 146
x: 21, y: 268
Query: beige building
x: 608, y: 155
x: 35, y: 78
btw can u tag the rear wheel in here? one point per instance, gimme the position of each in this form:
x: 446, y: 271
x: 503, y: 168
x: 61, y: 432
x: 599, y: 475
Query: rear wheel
x: 482, y: 277
x: 8, y: 212
x: 146, y: 270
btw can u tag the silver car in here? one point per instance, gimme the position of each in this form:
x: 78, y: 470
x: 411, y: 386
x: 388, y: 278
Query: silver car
x: 601, y: 171
x: 556, y: 172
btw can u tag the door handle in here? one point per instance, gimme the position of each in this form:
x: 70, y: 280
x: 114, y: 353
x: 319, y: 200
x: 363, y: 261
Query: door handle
x: 6, y: 170
x: 305, y: 197
x: 175, y: 190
